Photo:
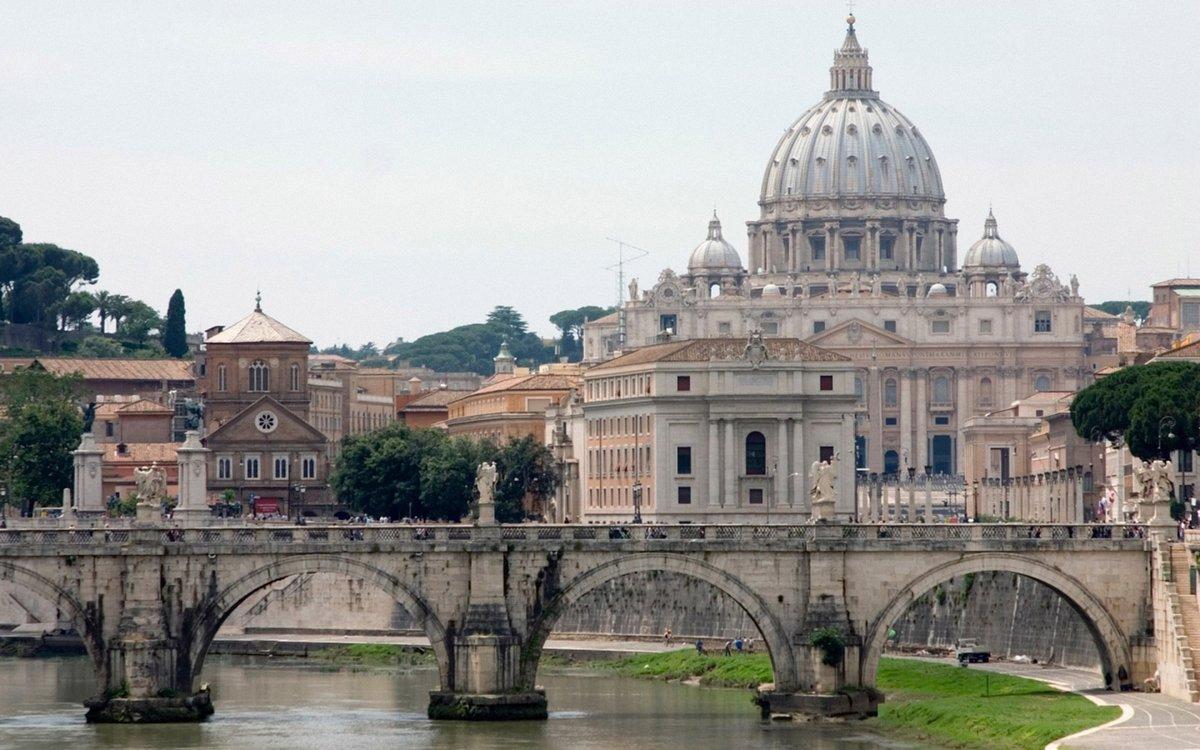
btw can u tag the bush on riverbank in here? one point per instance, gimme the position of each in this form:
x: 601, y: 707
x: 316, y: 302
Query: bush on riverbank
x: 933, y: 703
x: 375, y: 655
x: 738, y: 670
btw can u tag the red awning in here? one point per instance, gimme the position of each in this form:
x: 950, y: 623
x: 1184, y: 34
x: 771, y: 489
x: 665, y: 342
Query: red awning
x: 265, y: 505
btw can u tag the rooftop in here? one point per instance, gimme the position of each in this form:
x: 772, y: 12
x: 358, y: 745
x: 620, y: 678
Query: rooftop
x: 119, y: 369
x: 527, y: 383
x: 141, y: 453
x: 438, y: 399
x: 258, y: 328
x: 722, y: 350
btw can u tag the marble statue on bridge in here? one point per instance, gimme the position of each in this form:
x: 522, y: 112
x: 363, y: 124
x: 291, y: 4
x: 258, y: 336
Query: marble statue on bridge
x: 823, y: 475
x: 485, y: 485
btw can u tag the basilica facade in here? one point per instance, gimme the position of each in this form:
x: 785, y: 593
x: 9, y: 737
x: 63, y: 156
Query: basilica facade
x: 853, y: 253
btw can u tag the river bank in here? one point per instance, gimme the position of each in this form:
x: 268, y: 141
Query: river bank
x: 941, y: 704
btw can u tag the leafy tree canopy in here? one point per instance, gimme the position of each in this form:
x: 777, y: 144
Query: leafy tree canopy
x: 35, y: 279
x: 470, y: 348
x: 401, y: 472
x: 40, y: 427
x: 175, y: 331
x: 1132, y: 404
x: 570, y: 326
x: 1141, y: 308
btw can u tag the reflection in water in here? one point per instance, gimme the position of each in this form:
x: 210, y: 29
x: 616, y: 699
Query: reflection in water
x: 265, y: 704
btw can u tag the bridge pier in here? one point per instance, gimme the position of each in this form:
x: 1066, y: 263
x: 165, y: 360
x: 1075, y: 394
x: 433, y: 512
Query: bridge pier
x: 143, y: 687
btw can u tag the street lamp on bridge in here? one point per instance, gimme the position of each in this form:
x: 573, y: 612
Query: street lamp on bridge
x: 637, y: 501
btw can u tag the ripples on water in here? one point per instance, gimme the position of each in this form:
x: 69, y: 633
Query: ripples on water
x: 267, y: 705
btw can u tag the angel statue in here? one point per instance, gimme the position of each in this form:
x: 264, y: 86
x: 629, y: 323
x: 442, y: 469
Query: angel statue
x: 823, y: 475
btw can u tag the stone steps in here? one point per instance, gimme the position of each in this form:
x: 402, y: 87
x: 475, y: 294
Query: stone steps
x: 1186, y: 609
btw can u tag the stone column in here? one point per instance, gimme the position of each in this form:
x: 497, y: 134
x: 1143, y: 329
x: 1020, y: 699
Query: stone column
x: 781, y: 483
x: 922, y: 418
x: 872, y: 244
x: 875, y: 410
x: 962, y: 410
x: 906, y: 452
x: 800, y: 499
x: 928, y: 501
x: 848, y: 473
x: 729, y: 498
x: 192, y: 460
x: 88, y: 488
x: 1079, y: 515
x: 831, y: 248
x: 714, y: 463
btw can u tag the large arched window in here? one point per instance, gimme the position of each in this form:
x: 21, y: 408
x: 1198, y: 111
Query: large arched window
x: 1041, y: 382
x: 260, y: 376
x: 889, y: 392
x: 985, y: 391
x: 756, y: 454
x: 941, y: 390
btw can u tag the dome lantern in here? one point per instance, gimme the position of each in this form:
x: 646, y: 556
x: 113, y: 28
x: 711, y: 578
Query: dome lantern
x: 715, y: 256
x: 990, y: 251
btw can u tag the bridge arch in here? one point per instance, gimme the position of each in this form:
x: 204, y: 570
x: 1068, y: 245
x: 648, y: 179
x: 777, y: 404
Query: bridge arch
x: 779, y: 646
x: 87, y: 623
x: 216, y: 609
x: 1111, y: 642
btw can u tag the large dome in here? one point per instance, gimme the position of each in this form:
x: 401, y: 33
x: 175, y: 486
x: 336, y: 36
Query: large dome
x: 714, y: 256
x: 990, y: 251
x: 852, y: 143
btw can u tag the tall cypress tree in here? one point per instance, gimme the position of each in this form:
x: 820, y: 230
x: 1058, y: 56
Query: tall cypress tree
x: 175, y: 331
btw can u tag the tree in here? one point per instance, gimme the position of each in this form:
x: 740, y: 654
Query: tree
x: 76, y: 309
x: 379, y: 473
x: 527, y: 476
x: 100, y: 347
x: 118, y: 306
x: 36, y: 278
x: 471, y: 347
x: 40, y: 428
x: 138, y: 322
x: 570, y: 326
x: 175, y: 333
x: 1141, y: 308
x: 1133, y: 404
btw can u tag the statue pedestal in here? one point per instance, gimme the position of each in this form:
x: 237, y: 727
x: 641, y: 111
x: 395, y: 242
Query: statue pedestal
x: 148, y: 512
x: 823, y: 511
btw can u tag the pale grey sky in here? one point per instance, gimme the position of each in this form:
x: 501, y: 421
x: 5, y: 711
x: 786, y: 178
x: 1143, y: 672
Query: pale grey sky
x: 394, y: 168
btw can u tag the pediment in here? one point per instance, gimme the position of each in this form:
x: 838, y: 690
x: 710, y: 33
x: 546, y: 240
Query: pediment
x: 856, y: 334
x: 243, y: 426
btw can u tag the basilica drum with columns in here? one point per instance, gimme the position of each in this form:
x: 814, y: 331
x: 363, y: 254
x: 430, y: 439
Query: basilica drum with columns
x: 853, y: 252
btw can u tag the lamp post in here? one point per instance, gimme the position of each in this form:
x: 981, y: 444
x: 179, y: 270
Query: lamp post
x: 637, y: 501
x: 1166, y: 424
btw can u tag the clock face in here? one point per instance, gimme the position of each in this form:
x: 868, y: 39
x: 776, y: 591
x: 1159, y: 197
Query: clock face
x: 266, y: 421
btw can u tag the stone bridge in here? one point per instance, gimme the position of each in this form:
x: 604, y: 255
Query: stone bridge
x: 148, y: 600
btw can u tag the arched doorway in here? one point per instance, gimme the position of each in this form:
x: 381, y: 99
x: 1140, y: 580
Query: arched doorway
x: 779, y: 648
x: 891, y: 462
x: 1111, y: 642
x: 214, y: 612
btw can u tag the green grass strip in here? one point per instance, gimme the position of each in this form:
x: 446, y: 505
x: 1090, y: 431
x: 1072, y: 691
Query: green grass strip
x: 936, y: 704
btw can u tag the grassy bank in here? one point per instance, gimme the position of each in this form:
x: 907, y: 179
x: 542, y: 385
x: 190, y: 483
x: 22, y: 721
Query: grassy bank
x: 932, y: 703
x: 374, y: 655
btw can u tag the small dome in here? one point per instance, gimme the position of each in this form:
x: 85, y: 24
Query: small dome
x: 990, y: 251
x: 714, y: 256
x: 772, y: 291
x: 937, y: 290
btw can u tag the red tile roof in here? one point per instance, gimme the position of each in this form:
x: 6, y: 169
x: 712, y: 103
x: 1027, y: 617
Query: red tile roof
x: 119, y: 369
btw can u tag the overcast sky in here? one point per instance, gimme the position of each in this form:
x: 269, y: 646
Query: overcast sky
x: 389, y: 169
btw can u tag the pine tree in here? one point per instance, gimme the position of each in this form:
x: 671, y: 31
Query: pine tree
x: 175, y: 331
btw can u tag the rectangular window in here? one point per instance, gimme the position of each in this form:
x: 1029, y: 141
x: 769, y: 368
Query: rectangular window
x: 724, y: 328
x: 889, y: 421
x: 668, y: 323
x: 851, y: 247
x: 886, y: 243
x: 1185, y: 460
x: 224, y: 467
x: 308, y: 468
x: 920, y: 243
x: 683, y: 382
x: 818, y: 326
x: 817, y: 243
x: 222, y: 384
x: 985, y: 327
x: 770, y: 328
x: 683, y: 460
x: 251, y: 467
x: 941, y: 420
x: 281, y: 467
x: 889, y: 326
x: 827, y: 382
x: 940, y: 326
x: 684, y: 495
x: 109, y: 430
x: 1189, y: 315
x: 756, y: 496
x: 1041, y: 321
x: 826, y: 452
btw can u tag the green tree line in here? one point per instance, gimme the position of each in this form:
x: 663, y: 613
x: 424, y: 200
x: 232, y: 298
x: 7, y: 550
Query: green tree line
x: 400, y: 472
x: 40, y: 424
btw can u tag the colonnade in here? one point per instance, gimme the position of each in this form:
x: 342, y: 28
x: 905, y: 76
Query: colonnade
x: 1047, y: 497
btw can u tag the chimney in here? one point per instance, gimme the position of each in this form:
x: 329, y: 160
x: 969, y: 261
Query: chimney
x: 414, y: 385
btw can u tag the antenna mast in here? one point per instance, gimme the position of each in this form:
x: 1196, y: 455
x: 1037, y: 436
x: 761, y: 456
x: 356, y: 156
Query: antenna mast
x: 619, y: 267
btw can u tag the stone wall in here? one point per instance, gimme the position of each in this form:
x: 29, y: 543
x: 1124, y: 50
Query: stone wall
x: 1008, y: 614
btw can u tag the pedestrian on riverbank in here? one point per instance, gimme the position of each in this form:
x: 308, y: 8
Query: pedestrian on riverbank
x: 729, y: 648
x: 667, y: 636
x: 738, y: 643
x: 700, y: 647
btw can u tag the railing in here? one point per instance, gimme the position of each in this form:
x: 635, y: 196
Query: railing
x: 16, y: 541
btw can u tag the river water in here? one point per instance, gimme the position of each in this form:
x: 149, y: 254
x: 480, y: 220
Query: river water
x: 295, y: 705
